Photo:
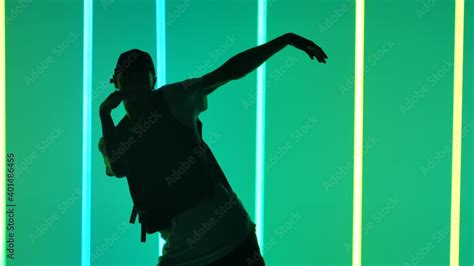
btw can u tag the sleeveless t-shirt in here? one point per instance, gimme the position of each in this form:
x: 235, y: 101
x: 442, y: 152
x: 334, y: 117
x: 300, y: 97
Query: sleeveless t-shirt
x: 167, y: 169
x: 180, y: 181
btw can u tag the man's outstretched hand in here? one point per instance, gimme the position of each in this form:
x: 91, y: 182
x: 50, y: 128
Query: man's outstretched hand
x: 312, y: 49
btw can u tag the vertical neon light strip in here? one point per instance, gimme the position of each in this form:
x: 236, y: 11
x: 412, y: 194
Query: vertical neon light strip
x: 160, y: 43
x: 358, y: 134
x: 4, y: 129
x: 86, y: 135
x: 160, y: 62
x: 260, y: 143
x: 457, y: 128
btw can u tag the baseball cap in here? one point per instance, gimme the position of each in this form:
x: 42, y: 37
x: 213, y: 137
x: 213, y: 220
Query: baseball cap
x: 133, y: 61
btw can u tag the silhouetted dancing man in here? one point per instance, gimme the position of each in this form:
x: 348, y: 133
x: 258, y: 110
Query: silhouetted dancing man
x: 176, y: 184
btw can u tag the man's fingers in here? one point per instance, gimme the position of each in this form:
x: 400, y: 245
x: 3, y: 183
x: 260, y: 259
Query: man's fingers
x: 318, y: 49
x: 324, y: 54
x: 314, y: 50
x: 321, y: 58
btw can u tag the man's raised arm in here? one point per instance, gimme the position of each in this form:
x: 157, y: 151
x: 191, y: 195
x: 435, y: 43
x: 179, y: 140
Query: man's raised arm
x: 245, y: 62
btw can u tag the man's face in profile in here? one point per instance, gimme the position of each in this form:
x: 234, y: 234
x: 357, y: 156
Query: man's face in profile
x: 135, y: 87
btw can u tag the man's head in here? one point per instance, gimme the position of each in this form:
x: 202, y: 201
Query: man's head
x: 135, y: 76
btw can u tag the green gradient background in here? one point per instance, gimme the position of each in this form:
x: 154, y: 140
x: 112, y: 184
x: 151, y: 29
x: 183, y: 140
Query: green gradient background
x: 309, y: 167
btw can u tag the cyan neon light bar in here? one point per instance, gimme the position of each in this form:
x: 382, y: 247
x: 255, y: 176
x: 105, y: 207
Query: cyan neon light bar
x: 358, y: 134
x: 457, y: 135
x: 86, y: 135
x: 3, y: 126
x: 160, y: 43
x: 260, y: 141
x: 160, y: 63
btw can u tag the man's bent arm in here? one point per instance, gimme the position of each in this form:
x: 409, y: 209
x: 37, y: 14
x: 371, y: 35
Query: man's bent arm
x: 111, y: 143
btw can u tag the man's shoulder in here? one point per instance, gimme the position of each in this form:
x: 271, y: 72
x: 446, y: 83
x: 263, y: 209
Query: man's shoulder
x: 182, y: 93
x: 185, y: 84
x: 181, y: 88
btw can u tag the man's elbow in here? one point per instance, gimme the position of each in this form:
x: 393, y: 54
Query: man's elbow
x: 119, y: 175
x: 111, y: 168
x: 114, y: 168
x: 111, y: 173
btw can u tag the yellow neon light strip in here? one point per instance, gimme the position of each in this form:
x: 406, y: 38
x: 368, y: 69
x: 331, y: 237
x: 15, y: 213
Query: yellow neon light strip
x: 457, y: 128
x: 358, y: 133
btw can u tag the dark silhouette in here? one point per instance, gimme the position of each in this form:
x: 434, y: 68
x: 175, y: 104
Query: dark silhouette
x: 172, y: 174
